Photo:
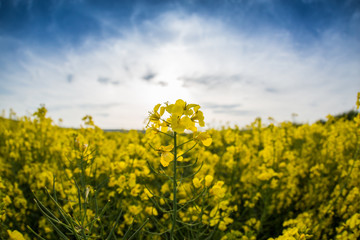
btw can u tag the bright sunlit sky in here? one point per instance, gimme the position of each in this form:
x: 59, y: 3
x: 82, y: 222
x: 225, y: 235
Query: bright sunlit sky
x: 238, y: 59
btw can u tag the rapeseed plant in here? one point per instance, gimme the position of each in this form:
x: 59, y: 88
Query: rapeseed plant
x: 187, y: 215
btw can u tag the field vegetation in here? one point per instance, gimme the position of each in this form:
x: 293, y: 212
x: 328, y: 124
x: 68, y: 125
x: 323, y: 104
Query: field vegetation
x: 276, y: 181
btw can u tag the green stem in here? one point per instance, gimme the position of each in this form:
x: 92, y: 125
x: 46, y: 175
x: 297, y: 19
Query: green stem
x: 186, y: 142
x: 174, y: 191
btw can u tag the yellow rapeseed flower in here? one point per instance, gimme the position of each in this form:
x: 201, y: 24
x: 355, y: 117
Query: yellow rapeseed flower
x: 135, y: 210
x: 203, y: 137
x: 7, y: 200
x: 198, y: 116
x: 217, y: 190
x: 15, y: 235
x: 155, y: 116
x: 166, y: 155
x: 183, y: 116
x: 208, y: 180
x: 151, y: 211
x: 196, y: 182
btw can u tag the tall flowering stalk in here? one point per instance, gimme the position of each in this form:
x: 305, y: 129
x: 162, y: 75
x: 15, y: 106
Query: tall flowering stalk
x: 171, y: 120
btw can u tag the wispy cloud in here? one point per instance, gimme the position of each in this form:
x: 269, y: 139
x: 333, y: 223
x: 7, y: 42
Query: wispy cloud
x: 105, y: 81
x: 233, y: 109
x: 104, y: 106
x: 70, y: 78
x: 235, y: 112
x: 212, y: 81
x: 99, y: 106
x: 271, y: 90
x: 221, y: 106
x: 149, y: 76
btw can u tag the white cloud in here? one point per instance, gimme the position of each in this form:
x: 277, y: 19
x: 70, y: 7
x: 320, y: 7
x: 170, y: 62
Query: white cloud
x: 264, y: 75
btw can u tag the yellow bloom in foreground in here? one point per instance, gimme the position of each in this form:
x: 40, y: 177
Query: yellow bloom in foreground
x: 198, y: 116
x: 182, y: 108
x: 15, y: 235
x: 166, y: 155
x: 7, y: 200
x: 222, y: 226
x: 180, y: 124
x: 218, y: 190
x: 151, y: 211
x: 203, y: 137
x: 196, y: 182
x: 151, y: 132
x: 208, y: 180
x: 177, y: 108
x: 148, y: 193
x: 155, y: 116
x: 267, y: 174
x: 135, y: 210
x: 181, y: 117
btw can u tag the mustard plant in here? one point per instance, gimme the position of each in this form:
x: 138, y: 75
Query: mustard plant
x: 178, y: 122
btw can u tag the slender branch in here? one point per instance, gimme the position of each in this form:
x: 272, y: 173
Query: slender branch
x: 174, y: 191
x: 166, y: 134
x: 186, y: 142
x: 189, y: 149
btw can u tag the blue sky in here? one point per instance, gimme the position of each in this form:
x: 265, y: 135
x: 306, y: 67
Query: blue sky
x: 238, y: 59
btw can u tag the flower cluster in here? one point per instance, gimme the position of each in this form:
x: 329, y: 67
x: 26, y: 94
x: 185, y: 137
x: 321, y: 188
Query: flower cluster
x: 178, y: 117
x: 182, y: 117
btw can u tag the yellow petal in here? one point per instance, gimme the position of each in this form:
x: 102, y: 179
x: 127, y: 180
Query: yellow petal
x: 208, y: 180
x: 181, y: 103
x: 167, y: 148
x: 188, y: 124
x: 169, y: 108
x: 179, y: 107
x: 188, y: 112
x: 164, y: 129
x: 205, y: 138
x: 207, y: 142
x: 202, y: 123
x: 196, y: 182
x: 166, y: 158
x: 156, y: 108
x: 177, y: 110
x: 193, y: 128
x: 162, y: 110
x: 16, y: 235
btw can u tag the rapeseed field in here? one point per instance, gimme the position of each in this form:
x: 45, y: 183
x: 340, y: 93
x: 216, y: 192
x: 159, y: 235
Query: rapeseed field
x: 177, y: 181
